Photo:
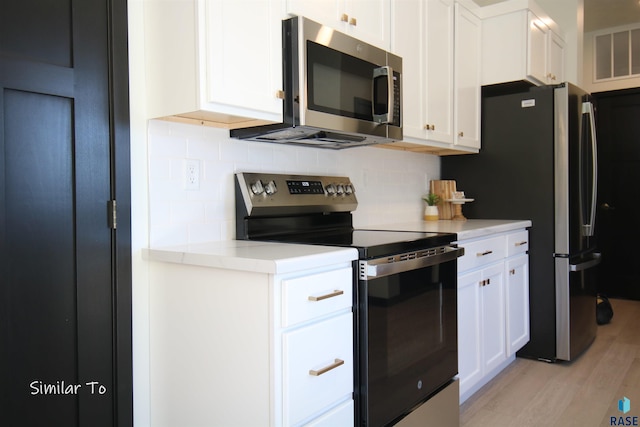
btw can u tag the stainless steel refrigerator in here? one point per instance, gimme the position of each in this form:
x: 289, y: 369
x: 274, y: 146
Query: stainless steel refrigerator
x: 539, y: 161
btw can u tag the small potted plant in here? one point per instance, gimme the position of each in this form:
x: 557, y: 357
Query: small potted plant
x: 431, y: 210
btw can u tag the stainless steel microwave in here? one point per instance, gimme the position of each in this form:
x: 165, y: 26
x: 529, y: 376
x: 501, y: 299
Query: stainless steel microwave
x: 339, y: 92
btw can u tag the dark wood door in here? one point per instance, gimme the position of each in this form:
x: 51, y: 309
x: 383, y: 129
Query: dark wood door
x: 65, y: 309
x: 618, y: 131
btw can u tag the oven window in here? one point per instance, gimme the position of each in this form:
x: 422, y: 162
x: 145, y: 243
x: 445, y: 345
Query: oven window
x: 338, y: 83
x: 411, y: 339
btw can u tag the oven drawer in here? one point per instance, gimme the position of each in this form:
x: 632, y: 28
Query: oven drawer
x: 481, y: 252
x: 517, y: 243
x: 318, y: 367
x: 308, y: 297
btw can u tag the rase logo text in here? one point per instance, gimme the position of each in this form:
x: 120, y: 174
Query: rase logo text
x: 624, y: 406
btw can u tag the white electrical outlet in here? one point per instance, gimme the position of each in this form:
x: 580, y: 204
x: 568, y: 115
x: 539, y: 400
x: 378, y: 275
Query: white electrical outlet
x: 192, y: 174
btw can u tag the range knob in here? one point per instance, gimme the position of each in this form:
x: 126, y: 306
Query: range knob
x: 270, y: 188
x: 340, y: 189
x: 331, y: 189
x: 257, y: 187
x: 348, y: 189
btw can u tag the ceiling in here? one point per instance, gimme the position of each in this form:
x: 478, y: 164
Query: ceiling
x: 600, y: 14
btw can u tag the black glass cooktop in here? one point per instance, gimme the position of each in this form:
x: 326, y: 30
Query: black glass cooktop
x: 372, y: 243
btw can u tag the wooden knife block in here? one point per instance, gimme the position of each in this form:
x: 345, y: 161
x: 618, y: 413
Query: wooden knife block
x: 444, y: 188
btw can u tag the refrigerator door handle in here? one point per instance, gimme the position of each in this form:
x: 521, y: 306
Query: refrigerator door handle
x: 595, y: 260
x: 587, y: 108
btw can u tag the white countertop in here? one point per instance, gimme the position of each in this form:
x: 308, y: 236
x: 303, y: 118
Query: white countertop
x: 469, y: 229
x: 280, y: 258
x: 257, y: 257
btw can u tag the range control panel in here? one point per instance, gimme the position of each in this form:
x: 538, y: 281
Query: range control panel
x: 294, y: 193
x: 305, y: 187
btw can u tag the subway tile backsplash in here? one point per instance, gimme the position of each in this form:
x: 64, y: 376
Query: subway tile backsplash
x: 389, y: 183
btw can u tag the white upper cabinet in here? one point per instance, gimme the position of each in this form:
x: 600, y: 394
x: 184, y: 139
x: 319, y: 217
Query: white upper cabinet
x: 213, y: 60
x: 439, y: 42
x: 521, y: 45
x: 368, y: 20
x: 467, y: 80
x: 555, y: 62
x: 427, y: 67
x: 538, y: 48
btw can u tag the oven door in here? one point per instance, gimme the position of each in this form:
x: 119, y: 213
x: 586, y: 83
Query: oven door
x: 407, y: 333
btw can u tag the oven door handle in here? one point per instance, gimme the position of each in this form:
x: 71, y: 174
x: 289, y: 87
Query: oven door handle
x: 386, y: 266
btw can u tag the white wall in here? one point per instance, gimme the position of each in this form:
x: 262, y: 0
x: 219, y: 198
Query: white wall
x: 389, y: 184
x: 139, y: 216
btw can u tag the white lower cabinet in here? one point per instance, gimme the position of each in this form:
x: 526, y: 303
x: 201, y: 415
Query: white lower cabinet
x: 341, y: 415
x: 517, y: 291
x: 493, y: 307
x: 238, y: 348
x: 469, y: 330
x: 318, y: 366
x: 481, y: 324
x: 493, y: 317
x: 517, y: 271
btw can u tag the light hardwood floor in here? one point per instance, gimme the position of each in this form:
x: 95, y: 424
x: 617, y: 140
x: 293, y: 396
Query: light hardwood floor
x: 582, y: 393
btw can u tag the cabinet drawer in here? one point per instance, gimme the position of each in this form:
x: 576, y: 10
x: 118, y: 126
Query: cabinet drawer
x: 481, y: 252
x: 517, y: 243
x: 307, y: 297
x: 318, y: 367
x: 341, y: 415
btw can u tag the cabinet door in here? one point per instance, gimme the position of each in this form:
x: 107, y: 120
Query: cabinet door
x: 439, y: 70
x: 493, y: 316
x: 235, y: 42
x: 467, y: 78
x: 408, y: 39
x: 368, y: 21
x: 317, y: 367
x: 469, y: 332
x: 517, y: 295
x: 326, y: 12
x: 555, y: 72
x: 537, y: 48
x: 422, y: 34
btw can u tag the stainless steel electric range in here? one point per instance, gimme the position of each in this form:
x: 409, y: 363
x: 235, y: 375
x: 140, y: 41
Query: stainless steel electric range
x: 405, y: 300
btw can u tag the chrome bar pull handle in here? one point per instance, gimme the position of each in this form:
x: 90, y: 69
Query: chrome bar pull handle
x: 588, y: 106
x: 385, y: 74
x: 335, y: 293
x: 484, y: 253
x: 335, y: 364
x: 524, y: 242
